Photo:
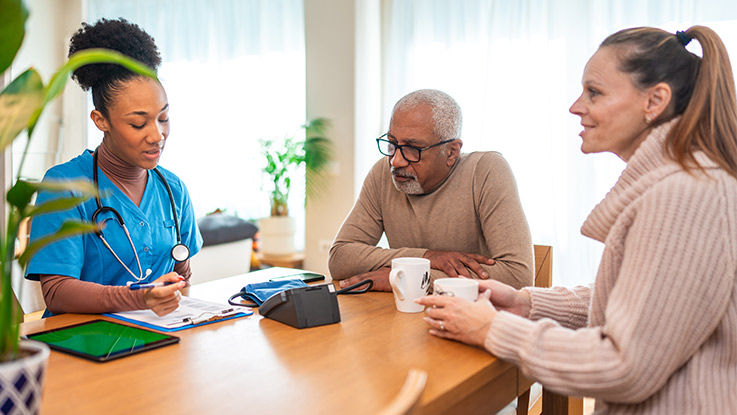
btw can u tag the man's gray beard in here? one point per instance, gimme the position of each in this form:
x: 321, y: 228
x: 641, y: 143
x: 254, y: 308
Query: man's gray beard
x: 411, y: 187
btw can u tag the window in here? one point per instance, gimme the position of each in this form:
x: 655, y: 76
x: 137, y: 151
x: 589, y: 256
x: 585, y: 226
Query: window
x: 515, y: 68
x: 234, y: 72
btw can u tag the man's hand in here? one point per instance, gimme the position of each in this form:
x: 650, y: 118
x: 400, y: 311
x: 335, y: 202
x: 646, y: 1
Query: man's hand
x: 458, y: 263
x: 164, y: 300
x: 380, y: 277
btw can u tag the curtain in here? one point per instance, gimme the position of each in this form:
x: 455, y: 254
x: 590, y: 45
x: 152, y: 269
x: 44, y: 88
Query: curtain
x: 234, y: 72
x: 515, y: 68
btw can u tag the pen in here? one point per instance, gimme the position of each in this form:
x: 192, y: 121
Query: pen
x: 143, y: 285
x: 206, y: 316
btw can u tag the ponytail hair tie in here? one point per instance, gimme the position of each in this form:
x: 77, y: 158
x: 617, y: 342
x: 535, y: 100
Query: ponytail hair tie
x: 683, y: 37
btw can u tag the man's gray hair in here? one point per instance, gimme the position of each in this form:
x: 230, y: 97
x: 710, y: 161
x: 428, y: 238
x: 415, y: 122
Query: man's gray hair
x: 446, y: 113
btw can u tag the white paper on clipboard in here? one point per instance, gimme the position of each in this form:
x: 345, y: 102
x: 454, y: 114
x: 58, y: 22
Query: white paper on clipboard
x: 190, y: 311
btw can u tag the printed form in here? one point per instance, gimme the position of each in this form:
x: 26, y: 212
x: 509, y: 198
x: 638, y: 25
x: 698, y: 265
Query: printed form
x: 190, y: 311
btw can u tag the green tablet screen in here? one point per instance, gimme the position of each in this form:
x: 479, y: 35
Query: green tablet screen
x: 102, y: 340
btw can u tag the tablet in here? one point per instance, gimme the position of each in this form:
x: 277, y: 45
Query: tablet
x: 304, y: 276
x: 102, y: 340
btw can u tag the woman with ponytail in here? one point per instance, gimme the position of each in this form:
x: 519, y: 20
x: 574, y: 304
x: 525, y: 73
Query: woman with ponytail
x: 657, y: 331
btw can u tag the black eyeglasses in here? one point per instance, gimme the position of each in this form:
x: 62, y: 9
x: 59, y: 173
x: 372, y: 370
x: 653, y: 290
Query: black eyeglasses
x: 409, y: 152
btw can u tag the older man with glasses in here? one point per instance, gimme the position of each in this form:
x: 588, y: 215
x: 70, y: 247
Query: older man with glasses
x: 460, y: 211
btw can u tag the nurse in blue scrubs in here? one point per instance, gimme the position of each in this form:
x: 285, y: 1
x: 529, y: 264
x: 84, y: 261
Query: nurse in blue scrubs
x: 149, y: 230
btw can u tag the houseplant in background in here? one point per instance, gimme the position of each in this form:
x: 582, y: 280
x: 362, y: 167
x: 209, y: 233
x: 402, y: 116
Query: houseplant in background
x: 284, y: 158
x: 23, y: 363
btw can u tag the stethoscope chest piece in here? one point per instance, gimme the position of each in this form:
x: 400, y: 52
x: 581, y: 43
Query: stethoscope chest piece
x: 180, y: 252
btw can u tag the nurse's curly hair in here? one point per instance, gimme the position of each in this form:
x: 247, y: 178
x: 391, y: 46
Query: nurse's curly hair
x: 106, y: 79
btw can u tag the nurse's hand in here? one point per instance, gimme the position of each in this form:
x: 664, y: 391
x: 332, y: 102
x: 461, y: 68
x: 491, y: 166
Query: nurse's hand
x: 164, y: 300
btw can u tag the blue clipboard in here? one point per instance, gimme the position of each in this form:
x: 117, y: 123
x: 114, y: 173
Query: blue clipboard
x: 172, y: 329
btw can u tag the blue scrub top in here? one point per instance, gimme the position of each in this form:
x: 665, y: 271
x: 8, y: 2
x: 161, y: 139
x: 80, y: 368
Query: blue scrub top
x: 151, y: 227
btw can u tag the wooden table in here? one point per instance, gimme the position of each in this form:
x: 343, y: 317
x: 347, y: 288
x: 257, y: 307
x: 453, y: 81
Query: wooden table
x: 257, y: 365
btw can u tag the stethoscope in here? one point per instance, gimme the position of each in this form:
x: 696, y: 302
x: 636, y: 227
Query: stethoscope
x: 179, y: 252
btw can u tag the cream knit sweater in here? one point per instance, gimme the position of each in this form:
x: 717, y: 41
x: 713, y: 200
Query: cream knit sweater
x: 657, y: 332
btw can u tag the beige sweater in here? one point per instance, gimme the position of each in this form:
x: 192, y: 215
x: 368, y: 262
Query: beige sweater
x: 475, y: 210
x: 657, y: 333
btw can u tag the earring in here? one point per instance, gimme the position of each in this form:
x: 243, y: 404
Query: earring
x: 648, y: 118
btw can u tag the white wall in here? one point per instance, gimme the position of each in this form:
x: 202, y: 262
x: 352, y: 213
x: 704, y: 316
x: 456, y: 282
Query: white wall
x: 75, y: 112
x: 369, y: 123
x: 330, y: 65
x: 342, y: 61
x: 50, y: 24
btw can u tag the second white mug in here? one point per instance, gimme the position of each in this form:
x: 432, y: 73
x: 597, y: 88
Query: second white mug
x: 457, y: 287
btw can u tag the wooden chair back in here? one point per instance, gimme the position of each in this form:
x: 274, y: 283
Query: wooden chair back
x: 543, y: 279
x: 543, y: 266
x: 552, y: 402
x: 406, y: 401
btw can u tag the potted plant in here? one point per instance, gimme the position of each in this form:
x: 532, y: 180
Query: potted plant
x: 283, y: 160
x: 23, y: 363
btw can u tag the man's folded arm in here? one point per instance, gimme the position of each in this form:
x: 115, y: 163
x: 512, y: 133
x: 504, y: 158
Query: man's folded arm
x: 350, y: 255
x: 503, y: 221
x: 508, y: 272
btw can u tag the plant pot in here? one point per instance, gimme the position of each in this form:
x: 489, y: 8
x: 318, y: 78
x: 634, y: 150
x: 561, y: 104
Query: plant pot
x: 22, y: 379
x: 276, y: 236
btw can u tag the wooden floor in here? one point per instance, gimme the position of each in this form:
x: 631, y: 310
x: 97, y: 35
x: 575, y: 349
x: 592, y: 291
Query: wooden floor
x: 588, y: 407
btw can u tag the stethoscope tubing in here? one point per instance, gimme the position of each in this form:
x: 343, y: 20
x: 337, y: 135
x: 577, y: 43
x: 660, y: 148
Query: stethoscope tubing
x: 141, y: 277
x: 101, y: 208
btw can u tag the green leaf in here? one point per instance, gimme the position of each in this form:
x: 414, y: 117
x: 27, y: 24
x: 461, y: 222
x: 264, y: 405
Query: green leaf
x: 21, y: 193
x: 84, y: 187
x: 285, y: 158
x: 68, y: 229
x: 55, y: 205
x: 12, y: 30
x: 19, y: 103
x: 317, y: 127
x: 86, y: 57
x: 90, y: 56
x: 318, y: 153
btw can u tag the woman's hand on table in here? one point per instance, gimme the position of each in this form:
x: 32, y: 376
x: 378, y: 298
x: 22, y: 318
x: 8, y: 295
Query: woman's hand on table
x: 164, y: 300
x: 506, y: 298
x: 458, y: 319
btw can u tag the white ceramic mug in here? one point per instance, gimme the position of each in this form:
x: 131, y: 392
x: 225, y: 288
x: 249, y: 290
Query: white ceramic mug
x: 465, y: 288
x: 410, y: 279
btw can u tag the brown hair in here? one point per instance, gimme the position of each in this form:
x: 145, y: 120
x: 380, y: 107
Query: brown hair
x: 703, y: 90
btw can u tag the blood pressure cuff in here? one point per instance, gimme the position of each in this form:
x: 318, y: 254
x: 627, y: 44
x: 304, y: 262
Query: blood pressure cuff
x: 257, y: 293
